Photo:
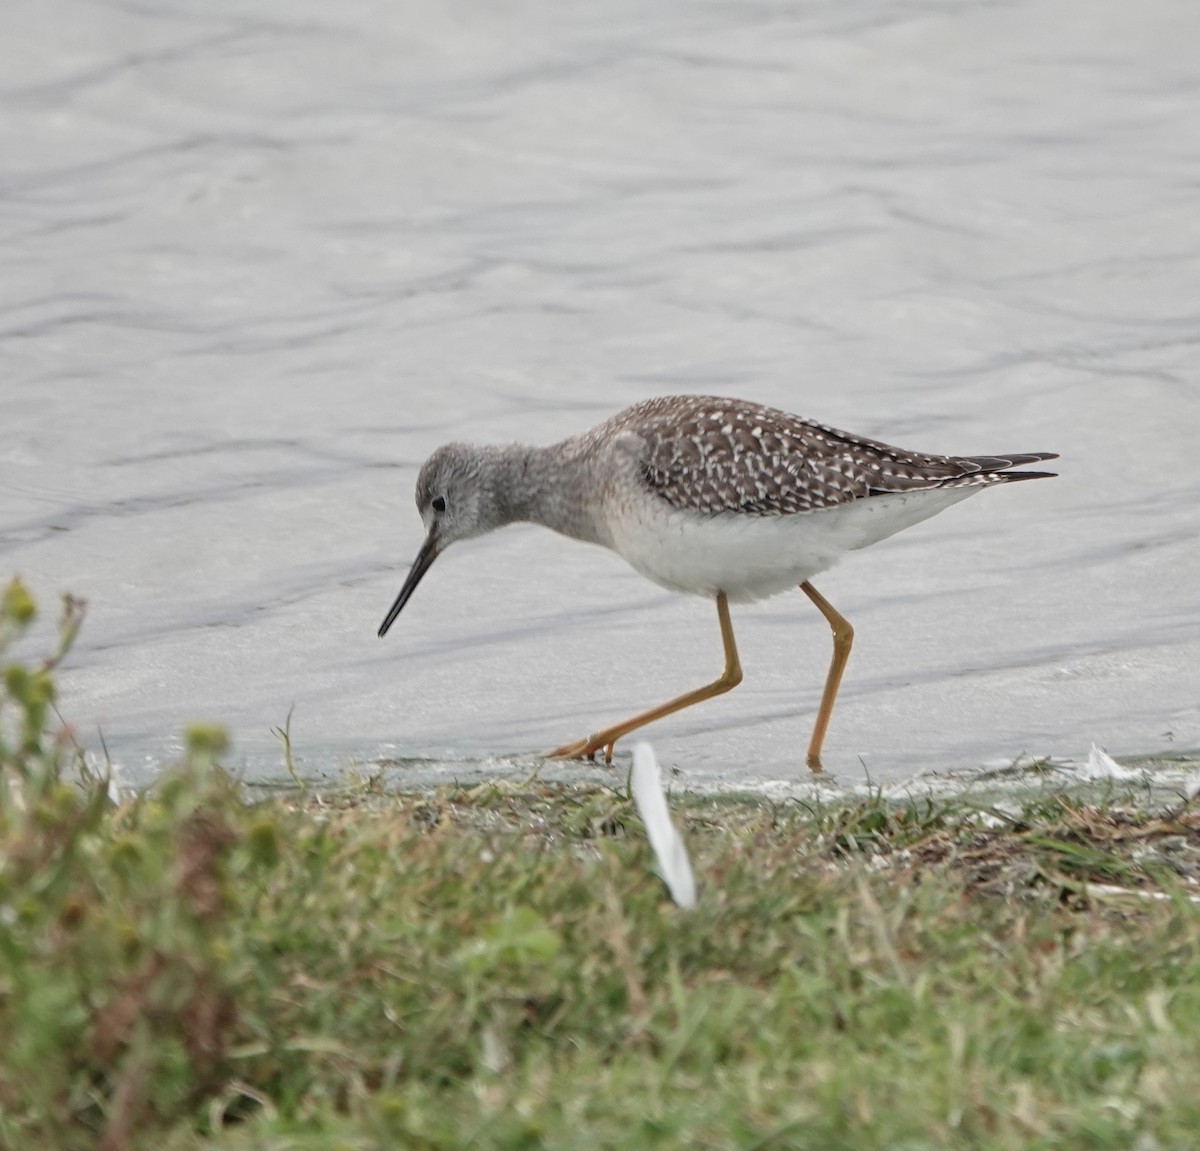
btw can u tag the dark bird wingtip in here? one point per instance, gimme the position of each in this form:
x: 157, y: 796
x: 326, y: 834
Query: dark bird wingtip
x: 1011, y: 476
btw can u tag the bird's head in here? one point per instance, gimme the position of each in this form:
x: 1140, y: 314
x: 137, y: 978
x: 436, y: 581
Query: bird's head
x: 456, y: 502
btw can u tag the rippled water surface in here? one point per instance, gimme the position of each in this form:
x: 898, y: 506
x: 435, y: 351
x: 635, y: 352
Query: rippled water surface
x: 260, y: 258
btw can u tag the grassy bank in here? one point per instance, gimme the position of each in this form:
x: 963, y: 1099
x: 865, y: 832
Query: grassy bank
x: 499, y: 968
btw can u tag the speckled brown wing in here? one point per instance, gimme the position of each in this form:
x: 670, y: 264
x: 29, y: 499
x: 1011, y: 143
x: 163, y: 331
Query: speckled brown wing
x: 715, y: 455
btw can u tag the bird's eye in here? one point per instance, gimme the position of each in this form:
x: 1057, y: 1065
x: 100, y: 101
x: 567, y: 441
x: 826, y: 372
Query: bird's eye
x: 439, y: 503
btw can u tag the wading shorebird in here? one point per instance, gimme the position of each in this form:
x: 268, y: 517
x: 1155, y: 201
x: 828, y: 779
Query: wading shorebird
x: 711, y: 496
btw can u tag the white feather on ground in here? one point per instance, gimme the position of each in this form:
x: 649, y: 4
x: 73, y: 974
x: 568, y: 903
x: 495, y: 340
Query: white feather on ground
x: 1101, y: 765
x: 651, y: 802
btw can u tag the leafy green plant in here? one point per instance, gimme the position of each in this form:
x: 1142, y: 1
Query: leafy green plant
x: 28, y: 745
x: 116, y: 1001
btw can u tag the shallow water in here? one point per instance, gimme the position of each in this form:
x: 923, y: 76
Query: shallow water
x: 261, y: 258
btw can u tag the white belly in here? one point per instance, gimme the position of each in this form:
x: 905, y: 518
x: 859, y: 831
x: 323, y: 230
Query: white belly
x: 750, y: 557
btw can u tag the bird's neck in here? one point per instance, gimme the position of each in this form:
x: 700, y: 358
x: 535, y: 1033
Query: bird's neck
x: 544, y: 486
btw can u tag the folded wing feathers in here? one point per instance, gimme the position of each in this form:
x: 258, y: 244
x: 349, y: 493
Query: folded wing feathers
x: 711, y: 455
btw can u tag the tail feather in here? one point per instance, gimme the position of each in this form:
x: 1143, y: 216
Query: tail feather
x: 1014, y: 460
x: 1012, y: 477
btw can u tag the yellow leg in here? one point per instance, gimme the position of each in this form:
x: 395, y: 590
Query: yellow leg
x: 729, y: 678
x: 843, y: 637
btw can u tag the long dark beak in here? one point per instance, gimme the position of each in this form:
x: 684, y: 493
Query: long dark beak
x: 423, y: 562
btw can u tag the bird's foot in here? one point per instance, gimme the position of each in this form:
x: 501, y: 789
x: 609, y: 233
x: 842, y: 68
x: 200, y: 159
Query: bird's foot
x: 585, y: 749
x: 814, y: 764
